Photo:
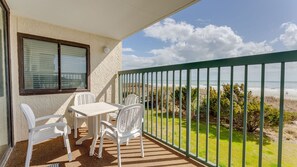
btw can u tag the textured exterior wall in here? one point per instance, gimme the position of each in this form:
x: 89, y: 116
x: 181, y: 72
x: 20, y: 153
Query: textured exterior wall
x: 104, y: 68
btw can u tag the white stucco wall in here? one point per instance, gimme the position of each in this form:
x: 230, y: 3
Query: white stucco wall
x: 104, y: 68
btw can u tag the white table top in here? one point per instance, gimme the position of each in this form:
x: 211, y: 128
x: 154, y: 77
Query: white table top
x: 94, y: 109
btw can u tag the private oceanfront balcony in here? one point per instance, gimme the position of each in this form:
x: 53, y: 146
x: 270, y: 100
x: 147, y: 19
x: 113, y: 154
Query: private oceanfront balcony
x: 231, y: 112
x: 189, y: 107
x: 52, y: 153
x: 191, y: 119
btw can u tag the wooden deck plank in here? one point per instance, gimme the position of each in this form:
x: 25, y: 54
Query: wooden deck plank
x: 53, y: 152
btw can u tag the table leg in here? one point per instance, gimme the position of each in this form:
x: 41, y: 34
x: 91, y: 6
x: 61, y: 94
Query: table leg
x: 90, y: 131
x: 96, y: 135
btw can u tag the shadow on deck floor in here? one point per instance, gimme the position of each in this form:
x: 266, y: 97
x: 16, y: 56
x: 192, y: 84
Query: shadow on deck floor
x: 53, y: 152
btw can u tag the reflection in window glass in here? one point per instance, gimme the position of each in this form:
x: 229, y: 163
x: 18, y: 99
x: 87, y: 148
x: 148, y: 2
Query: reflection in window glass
x: 73, y: 67
x: 40, y: 64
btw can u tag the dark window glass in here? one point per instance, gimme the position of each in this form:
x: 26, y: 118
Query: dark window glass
x: 51, y: 66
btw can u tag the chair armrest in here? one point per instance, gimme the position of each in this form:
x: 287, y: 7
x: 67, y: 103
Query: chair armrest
x: 48, y: 117
x: 108, y: 125
x: 37, y: 128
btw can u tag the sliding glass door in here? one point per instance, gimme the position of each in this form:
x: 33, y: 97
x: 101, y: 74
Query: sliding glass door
x: 5, y: 132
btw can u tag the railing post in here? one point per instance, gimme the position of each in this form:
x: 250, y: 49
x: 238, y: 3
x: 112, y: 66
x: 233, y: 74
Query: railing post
x: 231, y: 119
x: 167, y: 101
x: 197, y: 113
x: 281, y: 116
x: 180, y: 109
x: 245, y: 116
x: 157, y: 104
x: 147, y: 101
x: 262, y: 108
x: 207, y: 115
x: 188, y: 113
x: 218, y: 118
x: 173, y: 107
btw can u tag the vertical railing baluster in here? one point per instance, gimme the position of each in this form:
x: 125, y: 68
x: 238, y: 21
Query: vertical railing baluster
x: 120, y: 77
x: 129, y: 85
x: 139, y: 84
x: 147, y: 100
x: 188, y: 113
x: 157, y: 104
x: 231, y: 119
x: 162, y: 105
x: 281, y: 116
x: 173, y: 102
x: 197, y: 112
x: 152, y: 100
x: 135, y: 84
x: 245, y: 112
x: 180, y: 109
x: 143, y: 96
x: 167, y: 101
x: 207, y: 115
x: 132, y: 83
x: 261, y: 114
x: 124, y: 86
x: 218, y: 117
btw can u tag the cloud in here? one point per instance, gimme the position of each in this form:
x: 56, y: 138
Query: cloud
x: 127, y: 50
x: 289, y: 36
x: 187, y: 43
x: 133, y: 61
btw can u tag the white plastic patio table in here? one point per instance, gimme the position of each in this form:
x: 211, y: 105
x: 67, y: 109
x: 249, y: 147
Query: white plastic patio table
x: 92, y: 111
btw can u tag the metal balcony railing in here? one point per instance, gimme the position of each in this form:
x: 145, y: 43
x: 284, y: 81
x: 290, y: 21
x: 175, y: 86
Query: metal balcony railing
x: 167, y: 93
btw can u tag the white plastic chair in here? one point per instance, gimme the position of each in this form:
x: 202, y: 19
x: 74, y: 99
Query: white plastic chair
x: 128, y: 126
x: 129, y: 100
x: 38, y: 134
x: 79, y: 99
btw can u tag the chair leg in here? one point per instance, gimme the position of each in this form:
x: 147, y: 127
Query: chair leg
x: 141, y: 146
x: 68, y: 147
x: 75, y: 127
x: 29, y: 152
x: 127, y: 142
x: 119, y: 154
x: 101, y: 145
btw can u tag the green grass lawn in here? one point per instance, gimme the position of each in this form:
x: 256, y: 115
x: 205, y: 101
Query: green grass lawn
x: 289, y: 158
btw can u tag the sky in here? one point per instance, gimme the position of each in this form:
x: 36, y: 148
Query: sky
x: 214, y: 29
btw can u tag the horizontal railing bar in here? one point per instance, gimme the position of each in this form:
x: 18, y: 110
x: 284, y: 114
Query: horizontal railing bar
x: 288, y: 56
x: 164, y: 142
x: 202, y: 160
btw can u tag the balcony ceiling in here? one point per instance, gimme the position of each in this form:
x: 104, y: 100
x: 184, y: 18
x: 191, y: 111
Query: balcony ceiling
x: 116, y: 19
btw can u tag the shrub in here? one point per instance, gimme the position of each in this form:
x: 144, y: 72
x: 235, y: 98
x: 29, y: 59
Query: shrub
x: 271, y: 115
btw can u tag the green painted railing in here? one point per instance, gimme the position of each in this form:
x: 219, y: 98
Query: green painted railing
x: 162, y: 106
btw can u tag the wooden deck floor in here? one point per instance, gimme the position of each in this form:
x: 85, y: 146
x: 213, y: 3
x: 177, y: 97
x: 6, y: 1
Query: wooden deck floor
x: 53, y: 152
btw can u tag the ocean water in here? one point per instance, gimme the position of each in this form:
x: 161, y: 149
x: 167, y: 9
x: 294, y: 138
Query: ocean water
x: 251, y: 84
